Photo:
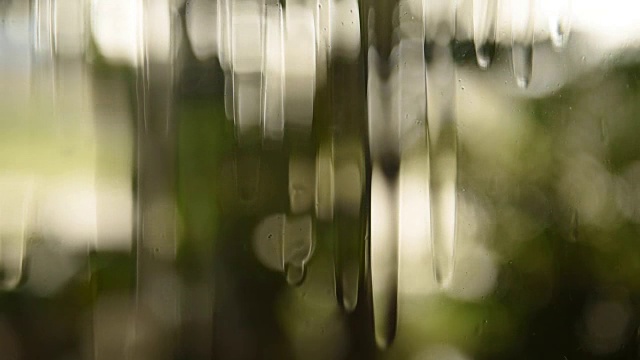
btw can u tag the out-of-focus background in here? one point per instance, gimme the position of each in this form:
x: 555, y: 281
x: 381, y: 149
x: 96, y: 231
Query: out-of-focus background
x: 331, y: 179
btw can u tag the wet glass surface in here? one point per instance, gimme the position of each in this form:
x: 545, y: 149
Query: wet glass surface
x: 327, y: 179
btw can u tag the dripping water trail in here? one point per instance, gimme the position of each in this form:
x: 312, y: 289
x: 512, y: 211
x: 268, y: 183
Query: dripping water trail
x: 522, y: 25
x: 348, y: 259
x: 522, y: 64
x: 348, y: 103
x: 560, y: 24
x: 272, y: 110
x: 442, y: 145
x: 384, y: 250
x: 155, y: 245
x: 383, y: 220
x: 485, y: 17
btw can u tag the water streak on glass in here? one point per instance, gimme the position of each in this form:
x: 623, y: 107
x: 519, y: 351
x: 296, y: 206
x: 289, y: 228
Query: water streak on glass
x: 443, y: 148
x: 325, y: 182
x: 272, y: 82
x: 385, y: 157
x: 408, y: 73
x: 246, y: 56
x: 243, y: 30
x: 560, y: 23
x: 384, y: 254
x: 349, y: 228
x: 202, y: 26
x: 348, y: 183
x: 346, y: 145
x: 15, y: 226
x: 485, y: 17
x: 344, y: 30
x: 156, y: 245
x: 224, y: 30
x: 20, y: 58
x: 277, y: 183
x: 522, y: 26
x: 268, y: 54
x: 322, y: 22
x: 300, y: 64
x: 225, y: 53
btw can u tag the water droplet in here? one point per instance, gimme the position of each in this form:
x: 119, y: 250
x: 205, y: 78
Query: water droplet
x: 298, y: 247
x: 285, y: 243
